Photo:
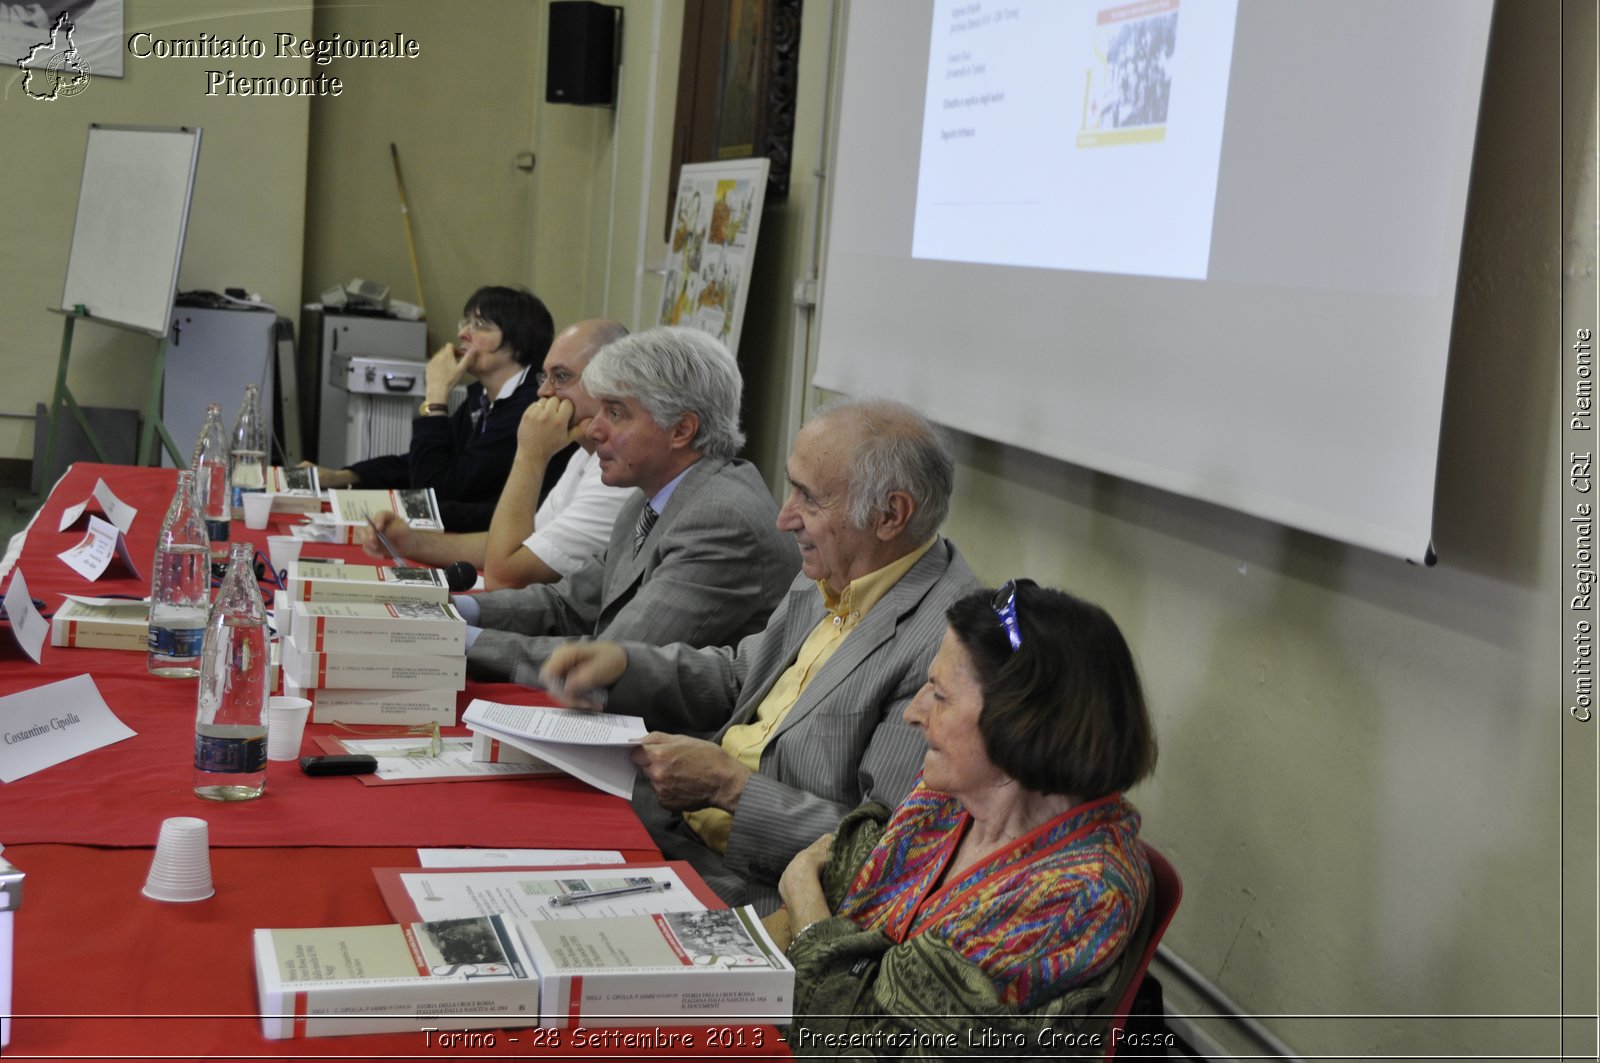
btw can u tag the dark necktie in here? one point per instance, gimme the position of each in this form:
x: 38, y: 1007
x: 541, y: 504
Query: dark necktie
x: 647, y: 520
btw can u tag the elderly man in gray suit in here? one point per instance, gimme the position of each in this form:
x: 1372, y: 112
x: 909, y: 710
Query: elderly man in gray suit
x: 694, y: 556
x: 806, y: 717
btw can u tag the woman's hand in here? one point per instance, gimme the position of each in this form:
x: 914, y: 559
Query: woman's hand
x: 445, y: 370
x: 801, y: 885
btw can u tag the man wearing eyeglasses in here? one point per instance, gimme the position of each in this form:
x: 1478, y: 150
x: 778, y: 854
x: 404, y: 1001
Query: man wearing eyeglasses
x: 535, y: 536
x: 695, y: 554
x: 465, y: 456
x: 807, y: 716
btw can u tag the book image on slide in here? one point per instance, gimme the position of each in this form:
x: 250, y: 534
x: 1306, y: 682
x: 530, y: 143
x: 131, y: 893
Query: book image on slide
x: 1128, y: 86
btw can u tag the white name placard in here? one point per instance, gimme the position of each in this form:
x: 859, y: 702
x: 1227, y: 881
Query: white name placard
x: 27, y: 623
x: 116, y: 510
x: 54, y: 723
x: 104, y: 541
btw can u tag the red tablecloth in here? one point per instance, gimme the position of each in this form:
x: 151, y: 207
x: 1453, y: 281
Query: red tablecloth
x: 102, y: 971
x: 119, y: 794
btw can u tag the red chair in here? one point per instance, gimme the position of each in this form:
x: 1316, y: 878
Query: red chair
x: 1164, y: 898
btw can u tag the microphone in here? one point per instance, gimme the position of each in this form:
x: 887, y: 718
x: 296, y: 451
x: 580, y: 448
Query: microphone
x: 460, y: 576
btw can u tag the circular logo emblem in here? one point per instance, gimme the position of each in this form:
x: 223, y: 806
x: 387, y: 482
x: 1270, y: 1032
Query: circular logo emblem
x: 66, y: 74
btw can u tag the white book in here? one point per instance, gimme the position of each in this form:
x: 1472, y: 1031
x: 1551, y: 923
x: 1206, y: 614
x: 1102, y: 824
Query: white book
x: 418, y: 507
x: 593, y: 746
x: 313, y: 581
x: 101, y: 623
x: 294, y: 489
x: 454, y: 974
x: 399, y: 708
x: 666, y: 969
x: 377, y: 627
x: 373, y: 671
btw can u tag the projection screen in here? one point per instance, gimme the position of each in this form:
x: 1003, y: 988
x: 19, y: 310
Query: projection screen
x: 1208, y: 245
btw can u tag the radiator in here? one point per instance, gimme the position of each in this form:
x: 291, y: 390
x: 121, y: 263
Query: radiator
x: 377, y: 425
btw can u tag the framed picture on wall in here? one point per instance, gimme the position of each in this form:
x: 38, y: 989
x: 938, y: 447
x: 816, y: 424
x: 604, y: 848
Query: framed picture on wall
x: 711, y: 246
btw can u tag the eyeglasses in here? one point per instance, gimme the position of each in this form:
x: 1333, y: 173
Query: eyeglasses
x: 1005, y: 607
x: 556, y: 378
x: 475, y: 324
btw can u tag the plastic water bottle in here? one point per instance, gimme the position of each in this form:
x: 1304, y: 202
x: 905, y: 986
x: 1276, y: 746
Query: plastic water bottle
x: 230, y: 724
x: 248, y: 463
x: 212, y: 494
x: 180, y: 587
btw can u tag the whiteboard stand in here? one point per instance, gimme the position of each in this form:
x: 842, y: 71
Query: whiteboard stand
x: 127, y: 242
x: 153, y: 425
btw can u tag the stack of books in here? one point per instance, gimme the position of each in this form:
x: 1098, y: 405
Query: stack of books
x: 372, y: 645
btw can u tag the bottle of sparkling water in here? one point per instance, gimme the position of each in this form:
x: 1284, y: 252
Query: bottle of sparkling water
x: 230, y: 726
x: 247, y: 466
x: 212, y: 493
x: 180, y: 587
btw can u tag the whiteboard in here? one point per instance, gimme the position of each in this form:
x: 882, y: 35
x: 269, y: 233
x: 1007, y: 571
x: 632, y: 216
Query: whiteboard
x: 127, y: 239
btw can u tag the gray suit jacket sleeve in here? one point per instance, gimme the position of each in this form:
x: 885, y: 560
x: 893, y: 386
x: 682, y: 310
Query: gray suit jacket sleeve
x: 710, y: 571
x: 844, y: 741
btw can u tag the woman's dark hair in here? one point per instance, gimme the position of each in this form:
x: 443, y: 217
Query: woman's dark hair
x: 1064, y: 713
x: 525, y: 325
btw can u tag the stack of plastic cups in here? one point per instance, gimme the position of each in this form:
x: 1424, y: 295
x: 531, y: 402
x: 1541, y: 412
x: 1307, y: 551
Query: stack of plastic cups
x: 181, y: 870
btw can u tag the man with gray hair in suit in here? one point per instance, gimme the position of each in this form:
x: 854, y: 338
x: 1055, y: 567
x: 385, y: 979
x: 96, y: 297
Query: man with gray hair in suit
x: 694, y: 556
x: 806, y: 717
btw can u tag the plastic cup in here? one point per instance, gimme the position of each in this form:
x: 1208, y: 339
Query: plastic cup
x: 286, y: 724
x: 181, y: 870
x: 283, y: 551
x: 257, y: 509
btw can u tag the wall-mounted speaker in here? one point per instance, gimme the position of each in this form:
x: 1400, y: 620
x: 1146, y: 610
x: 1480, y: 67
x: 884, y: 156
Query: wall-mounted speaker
x: 582, y: 63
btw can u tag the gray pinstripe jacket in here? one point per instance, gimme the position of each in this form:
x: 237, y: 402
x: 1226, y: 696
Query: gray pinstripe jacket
x: 844, y: 741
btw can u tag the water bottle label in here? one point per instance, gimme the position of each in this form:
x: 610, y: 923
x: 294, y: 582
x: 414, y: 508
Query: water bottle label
x: 176, y: 642
x: 230, y: 754
x: 217, y: 530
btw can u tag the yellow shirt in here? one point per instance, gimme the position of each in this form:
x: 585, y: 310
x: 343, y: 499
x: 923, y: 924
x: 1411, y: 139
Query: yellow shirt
x: 745, y: 742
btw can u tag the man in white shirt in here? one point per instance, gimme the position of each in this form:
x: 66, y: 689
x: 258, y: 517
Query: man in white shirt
x: 574, y: 522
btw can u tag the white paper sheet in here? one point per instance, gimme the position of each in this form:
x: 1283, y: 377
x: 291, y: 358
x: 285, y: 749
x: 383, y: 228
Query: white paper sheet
x: 558, y: 725
x: 28, y: 625
x: 515, y: 857
x: 592, y: 746
x: 527, y: 894
x: 453, y: 762
x: 54, y: 723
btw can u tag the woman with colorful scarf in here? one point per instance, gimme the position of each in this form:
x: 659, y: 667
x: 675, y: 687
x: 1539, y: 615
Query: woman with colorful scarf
x: 992, y: 911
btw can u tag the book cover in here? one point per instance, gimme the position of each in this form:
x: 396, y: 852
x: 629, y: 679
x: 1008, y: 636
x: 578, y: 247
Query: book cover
x: 418, y: 507
x: 294, y: 489
x: 104, y: 623
x: 666, y: 969
x: 378, y: 627
x: 329, y: 981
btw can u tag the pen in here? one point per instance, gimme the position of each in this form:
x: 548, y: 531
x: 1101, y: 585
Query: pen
x: 387, y: 545
x: 568, y: 899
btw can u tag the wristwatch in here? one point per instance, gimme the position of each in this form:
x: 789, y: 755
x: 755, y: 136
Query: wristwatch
x: 432, y: 408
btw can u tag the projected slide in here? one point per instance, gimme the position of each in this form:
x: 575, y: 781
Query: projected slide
x: 1081, y: 135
